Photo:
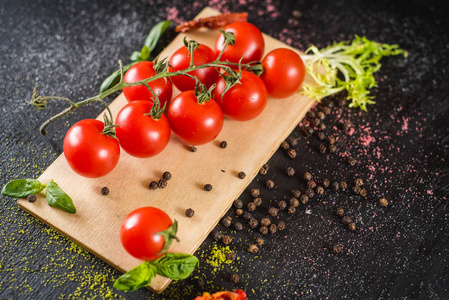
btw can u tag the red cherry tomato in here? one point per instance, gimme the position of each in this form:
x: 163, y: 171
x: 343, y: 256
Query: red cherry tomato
x: 249, y: 43
x: 138, y: 232
x: 139, y: 134
x: 143, y: 70
x: 192, y: 122
x: 243, y: 101
x: 284, y: 72
x: 89, y: 152
x: 180, y: 60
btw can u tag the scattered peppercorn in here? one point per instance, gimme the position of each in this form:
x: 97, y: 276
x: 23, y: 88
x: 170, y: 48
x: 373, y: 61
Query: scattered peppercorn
x: 189, y: 212
x: 358, y: 182
x: 247, y: 216
x: 331, y: 140
x: 281, y: 225
x: 269, y: 184
x: 260, y: 241
x: 307, y: 176
x: 290, y: 171
x: 253, y: 223
x: 273, y: 211
x: 285, y: 145
x: 322, y: 126
x: 231, y: 256
x: 363, y: 193
x: 293, y: 141
x: 208, y: 187
x: 335, y: 186
x: 239, y: 212
x: 162, y: 183
x: 352, y: 161
x: 273, y: 228
x: 310, y: 193
x: 253, y: 248
x: 282, y: 205
x: 304, y: 199
x: 226, y: 239
x: 343, y: 185
x: 33, y: 198
x: 346, y: 220
x: 265, y: 222
x: 263, y: 171
x: 319, y: 190
x: 105, y: 191
x: 352, y: 226
x: 346, y: 126
x: 291, y: 210
x: 235, y: 278
x: 192, y: 149
x: 238, y: 226
x: 216, y: 235
x: 316, y: 122
x: 291, y: 153
x: 311, y: 184
x: 326, y: 183
x: 166, y: 175
x: 321, y: 115
x: 251, y: 206
x: 263, y: 229
x: 223, y: 144
x: 258, y: 201
x: 255, y: 193
x: 342, y: 102
x: 322, y: 148
x: 226, y: 221
x: 294, y: 202
x: 153, y: 185
x: 311, y: 114
x: 332, y: 148
x: 340, y: 211
x: 242, y: 175
x: 238, y: 203
x: 296, y: 193
x: 326, y: 110
x: 292, y: 22
x: 201, y: 282
x: 337, y: 248
x: 308, y: 130
x: 356, y: 190
x: 320, y: 135
x: 383, y: 202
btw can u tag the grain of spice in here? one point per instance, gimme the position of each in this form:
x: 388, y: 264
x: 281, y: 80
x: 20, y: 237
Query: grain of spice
x: 363, y: 192
x: 281, y: 225
x: 166, y: 175
x: 231, y: 256
x: 226, y: 221
x: 253, y: 248
x: 162, y: 183
x: 253, y: 223
x: 32, y: 198
x: 291, y: 210
x: 307, y: 176
x: 269, y: 184
x: 383, y: 202
x: 290, y: 171
x: 251, y: 206
x: 247, y: 216
x: 343, y: 185
x: 273, y: 228
x: 294, y: 202
x: 319, y: 190
x: 153, y: 185
x: 304, y: 199
x: 189, y: 213
x: 282, y: 205
x: 238, y: 226
x: 238, y: 203
x: 346, y: 220
x: 311, y: 184
x: 242, y: 175
x: 352, y: 161
x: 335, y: 186
x: 208, y: 187
x: 201, y: 282
x: 296, y: 193
x: 326, y: 183
x: 217, y: 235
x: 332, y: 148
x: 265, y: 222
x: 223, y: 144
x: 337, y: 248
x: 239, y: 211
x: 293, y: 141
x: 105, y: 191
x: 255, y: 193
x: 258, y: 201
x: 273, y: 211
x: 260, y: 241
x: 263, y: 229
x: 235, y: 278
x: 226, y: 239
x: 192, y: 149
x: 356, y: 190
x: 340, y: 211
x: 358, y: 182
x: 291, y: 153
x: 285, y: 145
x: 352, y: 226
x: 310, y: 193
x: 330, y: 140
x: 322, y: 148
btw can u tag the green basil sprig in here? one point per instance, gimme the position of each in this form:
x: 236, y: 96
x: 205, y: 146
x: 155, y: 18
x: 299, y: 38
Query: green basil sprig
x: 176, y: 266
x: 137, y: 56
x: 56, y: 197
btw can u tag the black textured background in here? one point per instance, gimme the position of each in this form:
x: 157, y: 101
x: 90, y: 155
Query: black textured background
x: 68, y: 47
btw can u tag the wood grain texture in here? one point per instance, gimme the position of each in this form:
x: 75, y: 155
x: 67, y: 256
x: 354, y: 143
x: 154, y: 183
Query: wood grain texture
x: 96, y: 224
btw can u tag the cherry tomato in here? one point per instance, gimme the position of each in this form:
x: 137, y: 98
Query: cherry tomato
x: 284, y: 72
x: 180, y: 60
x: 143, y: 70
x: 243, y: 101
x: 139, y: 232
x: 139, y: 134
x: 249, y: 43
x: 192, y: 122
x: 89, y: 152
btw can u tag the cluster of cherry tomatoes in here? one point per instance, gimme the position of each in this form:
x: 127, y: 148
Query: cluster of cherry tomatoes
x: 93, y: 154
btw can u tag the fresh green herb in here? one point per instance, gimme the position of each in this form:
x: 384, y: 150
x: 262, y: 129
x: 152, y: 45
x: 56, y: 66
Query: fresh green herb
x: 354, y: 62
x: 176, y: 266
x: 20, y: 188
x: 137, y: 56
x: 56, y: 197
x: 169, y: 235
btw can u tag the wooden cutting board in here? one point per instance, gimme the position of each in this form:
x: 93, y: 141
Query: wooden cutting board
x: 96, y: 224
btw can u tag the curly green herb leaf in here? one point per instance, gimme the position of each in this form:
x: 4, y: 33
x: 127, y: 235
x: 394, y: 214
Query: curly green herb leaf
x: 56, y: 197
x: 20, y: 188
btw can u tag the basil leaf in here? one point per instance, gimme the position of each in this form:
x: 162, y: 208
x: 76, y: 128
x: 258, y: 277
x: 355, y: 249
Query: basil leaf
x: 56, y: 197
x: 114, y: 78
x: 136, y: 56
x: 145, y: 53
x: 155, y: 34
x: 176, y: 265
x: 136, y: 278
x: 20, y: 188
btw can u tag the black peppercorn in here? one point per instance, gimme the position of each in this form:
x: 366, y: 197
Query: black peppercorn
x: 201, y: 282
x: 342, y: 102
x: 247, y: 216
x: 320, y: 115
x: 239, y: 212
x: 335, y: 186
x: 269, y: 184
x: 273, y: 228
x: 285, y: 145
x: 332, y: 148
x: 337, y: 248
x: 292, y: 22
x: 294, y: 202
x: 346, y: 126
x: 238, y: 226
x: 223, y: 144
x: 331, y: 140
x: 153, y: 185
x: 192, y: 149
x: 216, y: 235
x: 263, y: 171
x: 263, y: 229
x: 260, y: 241
x: 253, y: 223
x: 208, y: 187
x: 352, y: 161
x: 307, y: 176
x: 346, y: 220
x: 322, y: 126
x: 311, y: 184
x: 253, y: 248
x: 319, y: 190
x: 189, y: 212
x: 162, y: 183
x: 258, y: 201
x: 255, y: 193
x: 321, y: 136
x: 273, y: 211
x: 304, y: 199
x: 242, y: 175
x: 282, y: 205
x: 251, y: 206
x: 166, y: 175
x: 383, y: 202
x: 326, y: 110
x: 238, y: 203
x: 265, y: 222
x: 311, y: 114
x: 340, y: 211
x: 310, y: 193
x: 357, y: 190
x: 290, y: 171
x: 226, y: 221
x: 326, y: 183
x: 231, y: 256
x: 226, y: 239
x: 32, y: 198
x: 316, y: 122
x: 322, y: 148
x: 291, y: 153
x: 308, y: 130
x: 291, y: 210
x: 292, y: 141
x: 281, y: 225
x: 358, y: 182
x: 296, y: 193
x: 105, y: 191
x: 343, y: 185
x: 363, y: 193
x: 352, y: 226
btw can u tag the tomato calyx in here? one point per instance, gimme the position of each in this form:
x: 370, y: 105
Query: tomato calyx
x: 229, y: 37
x: 109, y: 127
x: 203, y: 94
x: 169, y: 235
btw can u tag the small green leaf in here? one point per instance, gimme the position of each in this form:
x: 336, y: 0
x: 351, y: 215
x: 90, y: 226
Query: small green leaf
x: 56, y: 197
x: 155, y: 34
x: 20, y: 188
x: 169, y: 235
x: 136, y: 278
x: 136, y: 56
x: 114, y: 78
x: 176, y: 266
x: 145, y: 53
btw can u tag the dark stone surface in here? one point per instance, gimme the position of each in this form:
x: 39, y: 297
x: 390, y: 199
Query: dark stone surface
x: 68, y: 47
